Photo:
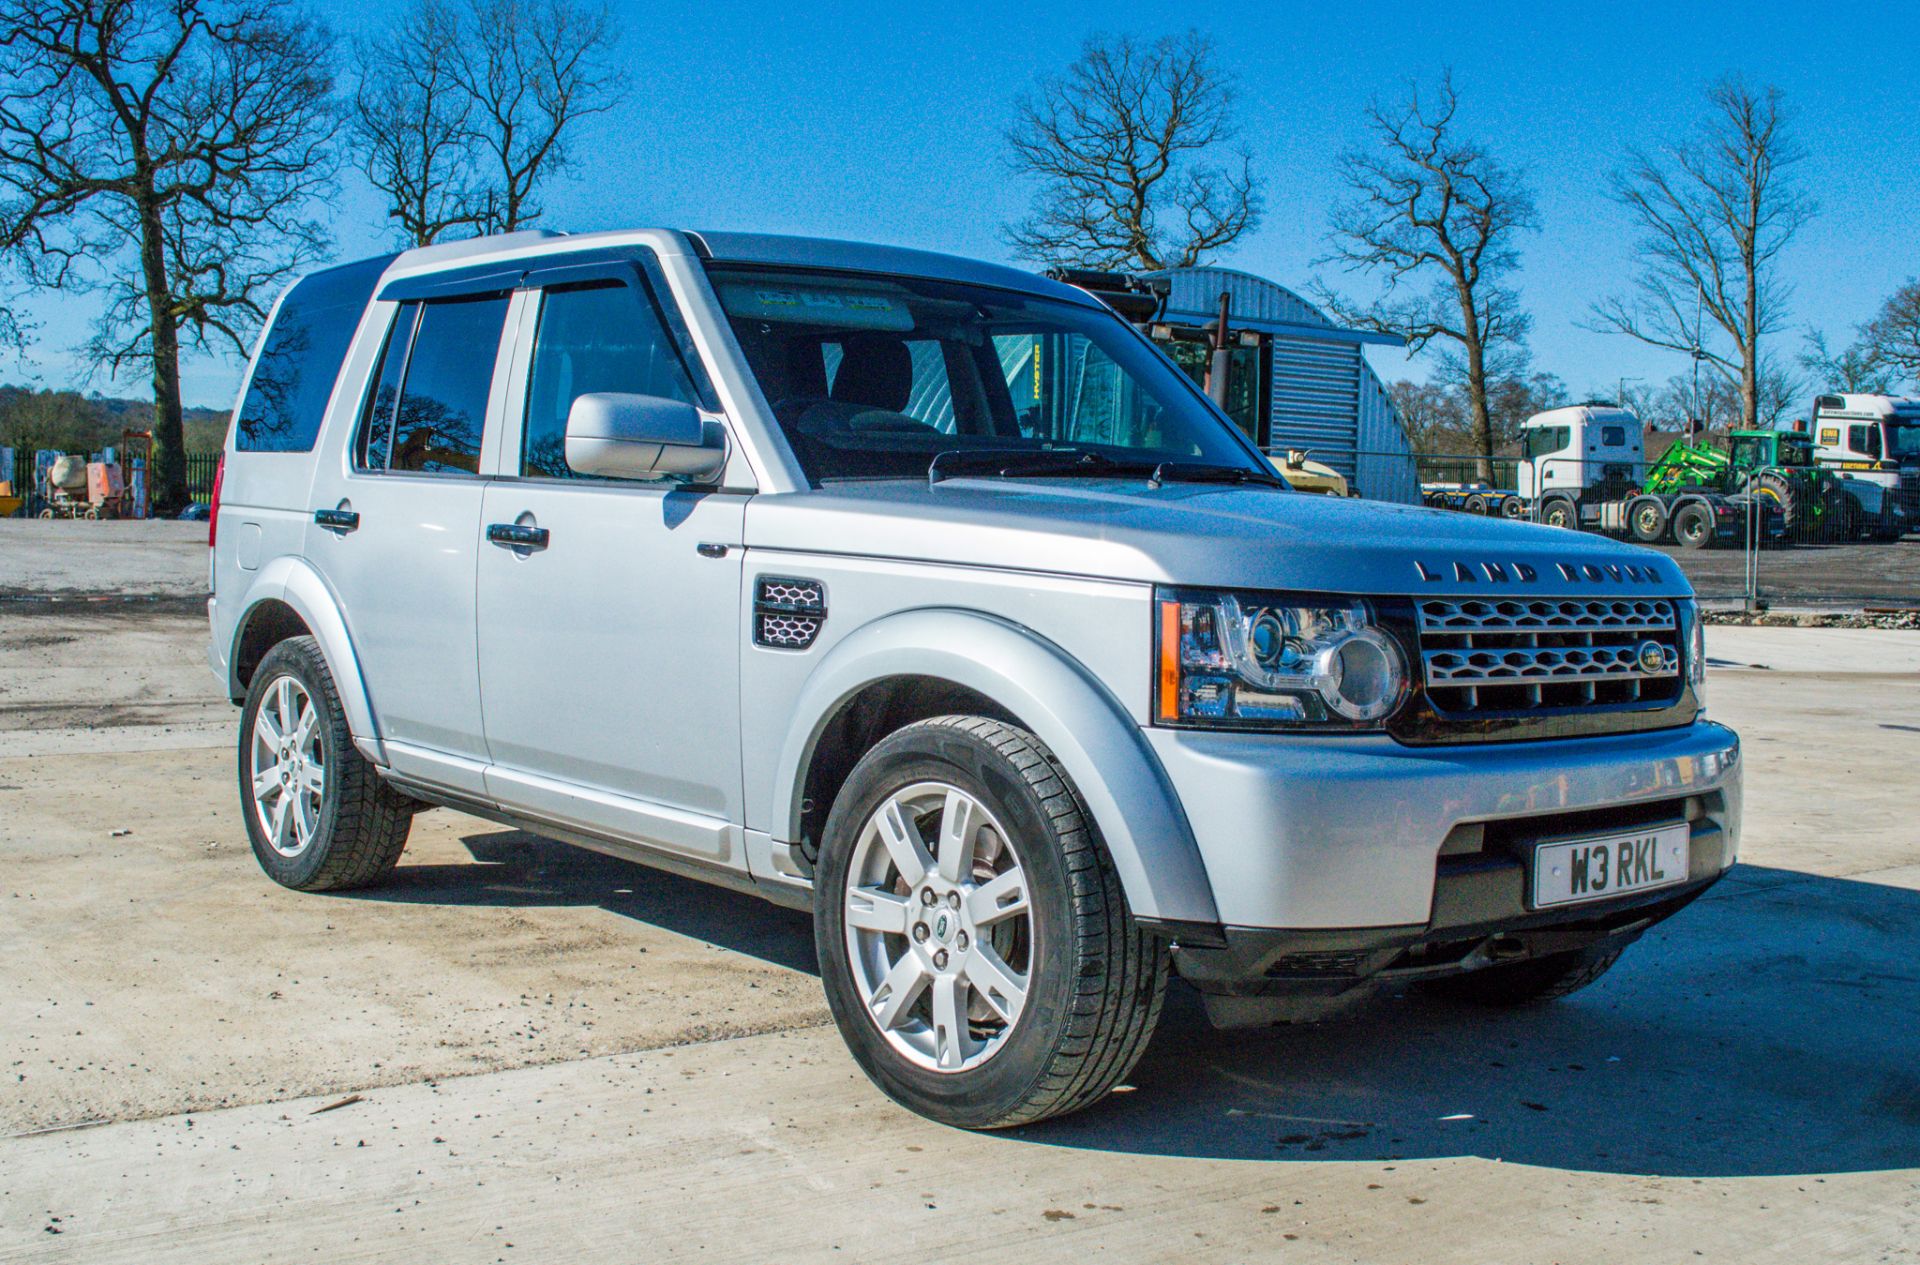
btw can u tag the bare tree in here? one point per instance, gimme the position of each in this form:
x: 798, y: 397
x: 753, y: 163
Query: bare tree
x: 1852, y: 368
x: 465, y: 107
x: 1714, y: 213
x: 412, y: 124
x: 1892, y: 338
x: 1437, y: 217
x: 1121, y: 145
x: 167, y: 152
x: 533, y: 69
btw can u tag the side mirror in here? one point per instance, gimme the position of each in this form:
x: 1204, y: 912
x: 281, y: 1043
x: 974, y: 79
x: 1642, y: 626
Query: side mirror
x: 611, y: 435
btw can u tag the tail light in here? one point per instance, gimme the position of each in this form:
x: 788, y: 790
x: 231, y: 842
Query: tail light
x: 213, y: 506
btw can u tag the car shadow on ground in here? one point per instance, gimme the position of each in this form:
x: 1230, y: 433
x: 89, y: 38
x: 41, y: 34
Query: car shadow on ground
x: 1768, y: 1029
x: 522, y: 870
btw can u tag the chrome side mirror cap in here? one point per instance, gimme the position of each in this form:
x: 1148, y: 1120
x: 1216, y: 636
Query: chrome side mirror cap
x: 616, y: 435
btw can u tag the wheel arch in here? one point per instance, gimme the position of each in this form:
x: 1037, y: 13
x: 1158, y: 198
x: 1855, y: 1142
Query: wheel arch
x: 289, y: 599
x: 968, y: 658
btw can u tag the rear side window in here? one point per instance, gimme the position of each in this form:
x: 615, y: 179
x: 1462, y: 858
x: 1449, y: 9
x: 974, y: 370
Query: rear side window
x: 603, y: 337
x: 1613, y: 436
x: 301, y: 358
x: 428, y: 407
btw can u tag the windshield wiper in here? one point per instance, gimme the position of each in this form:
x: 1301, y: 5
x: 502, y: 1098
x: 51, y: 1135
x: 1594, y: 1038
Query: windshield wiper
x: 1201, y: 472
x: 1031, y: 463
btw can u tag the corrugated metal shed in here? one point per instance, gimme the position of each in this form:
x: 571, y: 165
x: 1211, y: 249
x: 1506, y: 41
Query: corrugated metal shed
x: 1323, y: 395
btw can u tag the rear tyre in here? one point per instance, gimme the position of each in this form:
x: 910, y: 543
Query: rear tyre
x: 1779, y: 491
x: 1476, y: 503
x: 1512, y: 507
x: 974, y: 941
x: 319, y: 815
x: 1693, y: 526
x: 1648, y: 520
x: 1530, y: 983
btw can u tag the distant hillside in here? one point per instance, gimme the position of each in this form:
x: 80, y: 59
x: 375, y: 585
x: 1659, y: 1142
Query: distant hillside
x: 71, y: 422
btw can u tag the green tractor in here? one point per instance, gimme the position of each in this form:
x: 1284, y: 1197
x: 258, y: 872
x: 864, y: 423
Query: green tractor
x: 1775, y: 467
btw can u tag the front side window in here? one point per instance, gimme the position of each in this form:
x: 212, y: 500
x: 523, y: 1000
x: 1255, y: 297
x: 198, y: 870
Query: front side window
x: 872, y: 377
x: 427, y: 410
x: 599, y: 337
x: 1864, y: 439
x: 1544, y: 440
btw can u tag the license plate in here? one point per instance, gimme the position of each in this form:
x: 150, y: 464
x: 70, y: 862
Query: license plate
x: 1600, y: 866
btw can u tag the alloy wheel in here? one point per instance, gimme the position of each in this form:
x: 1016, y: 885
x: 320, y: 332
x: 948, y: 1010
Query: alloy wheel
x: 288, y: 767
x: 939, y: 927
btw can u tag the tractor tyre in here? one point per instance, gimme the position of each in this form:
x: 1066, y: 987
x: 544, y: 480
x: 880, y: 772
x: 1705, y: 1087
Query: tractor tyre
x: 1779, y: 490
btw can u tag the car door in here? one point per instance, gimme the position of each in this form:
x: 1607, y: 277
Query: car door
x: 609, y: 652
x: 397, y: 526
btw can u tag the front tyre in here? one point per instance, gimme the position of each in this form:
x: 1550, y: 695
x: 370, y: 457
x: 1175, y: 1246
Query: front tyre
x: 318, y: 814
x: 974, y: 941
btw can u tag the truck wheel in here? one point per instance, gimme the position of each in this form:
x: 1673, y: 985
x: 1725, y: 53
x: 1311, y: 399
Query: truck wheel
x: 1476, y: 503
x: 1560, y: 512
x: 1512, y: 507
x: 1529, y: 983
x: 319, y: 815
x: 1693, y: 526
x: 1648, y: 520
x: 974, y: 941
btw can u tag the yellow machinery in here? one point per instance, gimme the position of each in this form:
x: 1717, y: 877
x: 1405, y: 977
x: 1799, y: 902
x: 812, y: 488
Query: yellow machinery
x: 1310, y: 476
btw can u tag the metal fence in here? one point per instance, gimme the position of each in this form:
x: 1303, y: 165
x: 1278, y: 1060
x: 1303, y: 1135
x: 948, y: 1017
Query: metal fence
x: 201, y: 467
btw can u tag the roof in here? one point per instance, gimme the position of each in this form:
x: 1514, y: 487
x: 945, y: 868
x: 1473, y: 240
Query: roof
x: 1567, y: 414
x: 1255, y: 303
x: 775, y: 250
x: 1864, y: 405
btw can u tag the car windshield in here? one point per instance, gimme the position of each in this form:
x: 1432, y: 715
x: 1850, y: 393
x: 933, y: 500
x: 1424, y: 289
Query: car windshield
x: 1903, y: 441
x: 874, y: 377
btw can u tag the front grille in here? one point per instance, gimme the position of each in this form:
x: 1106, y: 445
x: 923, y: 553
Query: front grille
x: 1487, y: 656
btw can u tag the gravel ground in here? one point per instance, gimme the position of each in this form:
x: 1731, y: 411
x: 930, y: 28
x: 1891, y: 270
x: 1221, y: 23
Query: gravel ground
x: 521, y: 1051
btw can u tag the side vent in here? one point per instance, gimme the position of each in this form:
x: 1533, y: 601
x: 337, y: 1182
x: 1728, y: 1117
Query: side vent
x: 787, y: 613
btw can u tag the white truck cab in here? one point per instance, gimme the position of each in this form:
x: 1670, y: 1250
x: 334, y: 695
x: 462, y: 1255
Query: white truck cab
x: 1577, y: 447
x: 1873, y: 439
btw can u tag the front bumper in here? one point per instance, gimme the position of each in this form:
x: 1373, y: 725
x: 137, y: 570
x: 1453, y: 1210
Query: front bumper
x: 1337, y: 833
x: 1480, y: 918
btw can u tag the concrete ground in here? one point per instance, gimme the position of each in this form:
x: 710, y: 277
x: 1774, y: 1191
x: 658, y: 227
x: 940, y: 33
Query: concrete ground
x: 1832, y: 576
x: 519, y: 1051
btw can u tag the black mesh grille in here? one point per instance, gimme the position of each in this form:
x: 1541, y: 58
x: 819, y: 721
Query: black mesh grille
x: 788, y: 612
x: 1482, y: 656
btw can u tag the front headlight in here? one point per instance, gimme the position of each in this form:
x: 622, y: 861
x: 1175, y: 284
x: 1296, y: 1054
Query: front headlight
x: 1274, y: 661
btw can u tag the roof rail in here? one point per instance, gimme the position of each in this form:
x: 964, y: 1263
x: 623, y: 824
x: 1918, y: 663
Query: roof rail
x: 1138, y: 299
x: 469, y: 247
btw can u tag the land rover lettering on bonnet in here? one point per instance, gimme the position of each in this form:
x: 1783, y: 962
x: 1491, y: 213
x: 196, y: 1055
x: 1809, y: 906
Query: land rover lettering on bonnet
x: 930, y: 597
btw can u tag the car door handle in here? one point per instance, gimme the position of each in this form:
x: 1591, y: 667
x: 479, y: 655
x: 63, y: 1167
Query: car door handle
x: 517, y: 535
x: 337, y: 520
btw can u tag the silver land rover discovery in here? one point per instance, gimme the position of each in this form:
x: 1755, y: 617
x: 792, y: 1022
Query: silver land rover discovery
x: 929, y: 596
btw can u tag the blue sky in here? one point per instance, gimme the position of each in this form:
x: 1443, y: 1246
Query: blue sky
x: 865, y: 121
